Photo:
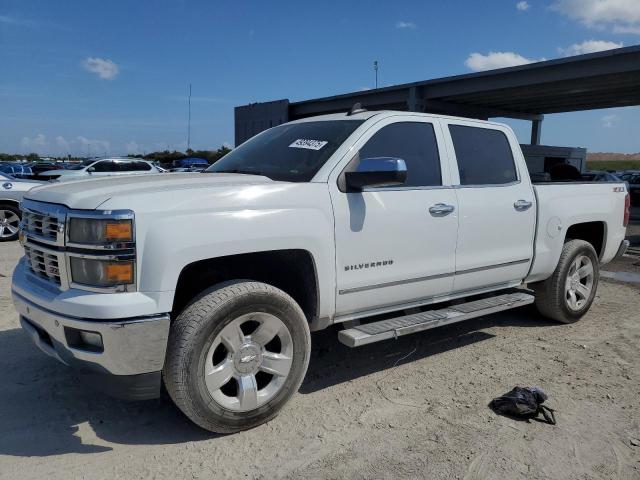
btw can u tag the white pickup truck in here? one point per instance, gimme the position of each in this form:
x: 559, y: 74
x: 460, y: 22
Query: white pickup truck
x: 211, y: 283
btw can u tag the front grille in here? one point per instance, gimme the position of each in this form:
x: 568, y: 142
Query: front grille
x: 43, y: 264
x: 40, y: 224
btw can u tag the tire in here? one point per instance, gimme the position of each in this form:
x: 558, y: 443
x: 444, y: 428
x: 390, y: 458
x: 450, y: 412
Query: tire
x: 9, y: 221
x: 553, y: 297
x: 224, y: 332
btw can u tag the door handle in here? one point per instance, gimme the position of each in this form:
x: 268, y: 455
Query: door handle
x: 441, y: 209
x: 522, y: 205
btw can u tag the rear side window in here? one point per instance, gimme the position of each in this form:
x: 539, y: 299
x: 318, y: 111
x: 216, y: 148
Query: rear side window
x: 484, y: 156
x: 413, y: 142
x: 104, y: 166
x: 139, y: 167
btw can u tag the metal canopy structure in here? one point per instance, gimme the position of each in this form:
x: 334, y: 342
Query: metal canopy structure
x: 585, y: 82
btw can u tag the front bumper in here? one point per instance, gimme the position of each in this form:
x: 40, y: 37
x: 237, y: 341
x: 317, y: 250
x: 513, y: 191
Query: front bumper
x: 130, y: 361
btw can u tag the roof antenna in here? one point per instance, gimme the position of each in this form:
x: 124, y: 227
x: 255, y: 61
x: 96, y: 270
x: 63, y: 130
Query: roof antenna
x: 357, y: 108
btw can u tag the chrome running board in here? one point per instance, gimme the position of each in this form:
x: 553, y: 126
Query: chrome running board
x: 417, y: 322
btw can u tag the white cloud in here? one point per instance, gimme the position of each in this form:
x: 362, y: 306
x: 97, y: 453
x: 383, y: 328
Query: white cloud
x: 37, y: 144
x: 610, y: 121
x: 59, y: 145
x: 479, y: 62
x: 402, y: 24
x: 523, y: 6
x: 18, y: 22
x: 94, y: 147
x: 622, y: 16
x: 62, y: 143
x: 627, y: 29
x: 105, y: 69
x: 589, y: 46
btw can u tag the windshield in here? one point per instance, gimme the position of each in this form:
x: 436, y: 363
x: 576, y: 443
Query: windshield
x: 290, y: 152
x: 77, y: 166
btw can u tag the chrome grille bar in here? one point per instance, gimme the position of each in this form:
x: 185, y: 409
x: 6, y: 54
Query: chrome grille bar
x: 44, y: 264
x: 44, y: 222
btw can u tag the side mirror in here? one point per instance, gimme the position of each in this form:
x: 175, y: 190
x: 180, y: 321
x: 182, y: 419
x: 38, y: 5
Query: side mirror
x: 91, y: 169
x: 377, y: 172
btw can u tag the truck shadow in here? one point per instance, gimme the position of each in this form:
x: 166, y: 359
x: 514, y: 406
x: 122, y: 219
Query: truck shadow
x: 333, y: 363
x: 45, y: 411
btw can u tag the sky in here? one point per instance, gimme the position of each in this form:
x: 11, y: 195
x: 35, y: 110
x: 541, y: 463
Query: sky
x: 111, y: 77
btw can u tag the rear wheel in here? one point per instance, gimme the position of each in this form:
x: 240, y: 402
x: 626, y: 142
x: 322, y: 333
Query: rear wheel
x: 236, y: 355
x: 568, y: 294
x: 9, y: 222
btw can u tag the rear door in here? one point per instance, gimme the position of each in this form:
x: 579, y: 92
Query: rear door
x: 496, y: 204
x: 390, y: 249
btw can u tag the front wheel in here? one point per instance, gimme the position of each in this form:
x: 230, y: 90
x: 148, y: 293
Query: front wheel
x: 568, y: 294
x: 9, y: 223
x: 236, y: 355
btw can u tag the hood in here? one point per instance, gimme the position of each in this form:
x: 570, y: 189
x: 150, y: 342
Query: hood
x: 89, y: 194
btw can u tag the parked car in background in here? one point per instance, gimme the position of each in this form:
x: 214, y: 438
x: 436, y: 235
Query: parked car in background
x: 102, y: 168
x: 626, y: 175
x: 634, y: 188
x: 597, y: 176
x: 191, y: 162
x: 41, y: 167
x: 16, y: 170
x: 12, y: 190
x: 77, y: 165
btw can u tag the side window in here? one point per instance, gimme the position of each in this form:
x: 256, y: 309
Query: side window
x: 413, y: 142
x: 104, y: 166
x: 484, y: 156
x: 140, y: 167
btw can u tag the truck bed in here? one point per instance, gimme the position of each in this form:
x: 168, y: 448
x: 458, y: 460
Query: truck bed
x: 562, y: 204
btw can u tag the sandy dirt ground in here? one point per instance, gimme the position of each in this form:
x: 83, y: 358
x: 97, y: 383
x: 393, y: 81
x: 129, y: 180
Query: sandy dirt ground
x: 411, y: 408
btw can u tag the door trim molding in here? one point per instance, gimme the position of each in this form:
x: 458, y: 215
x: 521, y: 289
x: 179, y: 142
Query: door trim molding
x: 364, y: 288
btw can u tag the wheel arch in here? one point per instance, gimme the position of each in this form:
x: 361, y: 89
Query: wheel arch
x: 291, y: 270
x: 10, y: 201
x: 594, y: 232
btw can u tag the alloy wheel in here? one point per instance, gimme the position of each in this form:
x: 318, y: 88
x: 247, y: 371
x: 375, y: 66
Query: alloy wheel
x: 579, y: 283
x: 9, y: 223
x: 248, y: 362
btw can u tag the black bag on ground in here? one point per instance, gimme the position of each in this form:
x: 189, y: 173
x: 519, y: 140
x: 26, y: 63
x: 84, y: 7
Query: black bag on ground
x: 523, y: 402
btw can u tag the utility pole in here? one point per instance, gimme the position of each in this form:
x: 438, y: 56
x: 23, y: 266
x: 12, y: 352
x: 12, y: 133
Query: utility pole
x: 375, y: 69
x: 189, y: 122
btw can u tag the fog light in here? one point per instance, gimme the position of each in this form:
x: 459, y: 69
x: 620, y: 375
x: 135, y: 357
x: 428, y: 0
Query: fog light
x: 84, y: 340
x: 91, y: 338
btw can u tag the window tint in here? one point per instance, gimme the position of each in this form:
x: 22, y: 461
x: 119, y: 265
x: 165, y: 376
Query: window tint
x: 104, y: 166
x: 413, y: 142
x: 292, y: 152
x: 484, y: 156
x: 132, y: 166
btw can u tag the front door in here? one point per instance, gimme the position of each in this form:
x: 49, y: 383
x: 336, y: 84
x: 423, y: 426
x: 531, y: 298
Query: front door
x: 392, y: 250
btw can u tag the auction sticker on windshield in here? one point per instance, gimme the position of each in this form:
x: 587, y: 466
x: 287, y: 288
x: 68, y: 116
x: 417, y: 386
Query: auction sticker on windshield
x: 308, y: 144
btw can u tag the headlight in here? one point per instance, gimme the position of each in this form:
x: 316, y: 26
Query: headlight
x: 95, y: 231
x: 102, y: 273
